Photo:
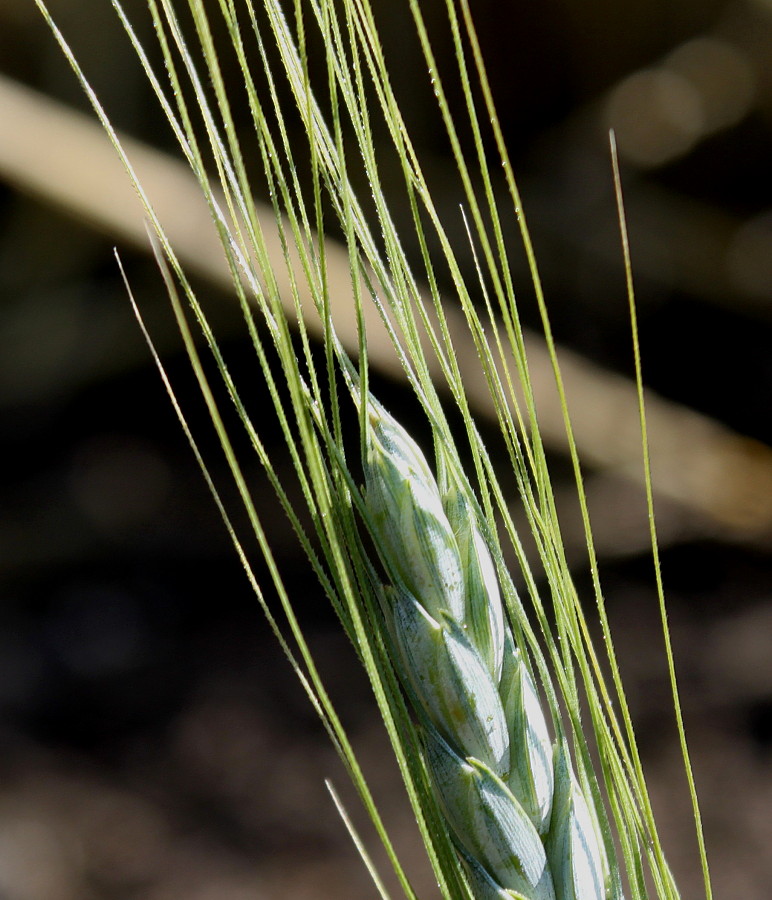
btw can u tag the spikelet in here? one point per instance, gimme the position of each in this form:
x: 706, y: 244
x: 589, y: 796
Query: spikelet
x: 412, y: 532
x: 484, y: 613
x: 578, y: 862
x: 451, y: 682
x: 531, y: 773
x: 489, y: 823
x: 521, y: 825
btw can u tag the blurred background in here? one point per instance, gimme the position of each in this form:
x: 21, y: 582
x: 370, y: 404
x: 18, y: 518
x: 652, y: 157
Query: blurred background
x: 154, y: 743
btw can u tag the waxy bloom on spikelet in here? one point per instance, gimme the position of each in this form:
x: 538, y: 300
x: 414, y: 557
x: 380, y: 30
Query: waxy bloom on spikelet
x: 412, y: 532
x: 484, y: 613
x: 489, y: 823
x: 451, y: 682
x: 576, y: 853
x: 530, y: 776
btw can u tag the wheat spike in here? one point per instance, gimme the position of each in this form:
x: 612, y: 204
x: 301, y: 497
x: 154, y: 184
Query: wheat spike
x: 513, y: 806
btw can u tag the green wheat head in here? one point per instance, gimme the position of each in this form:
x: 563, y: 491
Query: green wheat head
x: 514, y: 807
x: 517, y: 751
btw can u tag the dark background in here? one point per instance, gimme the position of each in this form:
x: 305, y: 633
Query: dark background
x: 153, y: 741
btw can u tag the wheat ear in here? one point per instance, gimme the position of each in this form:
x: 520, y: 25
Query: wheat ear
x: 516, y: 812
